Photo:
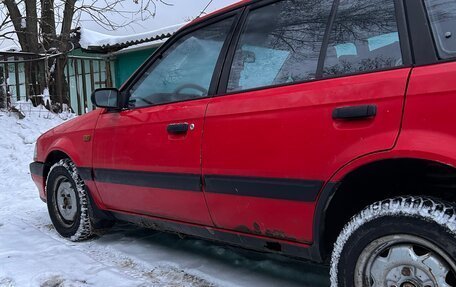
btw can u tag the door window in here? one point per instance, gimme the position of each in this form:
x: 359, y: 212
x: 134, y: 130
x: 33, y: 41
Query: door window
x: 364, y: 37
x: 442, y: 15
x: 280, y: 44
x: 184, y: 71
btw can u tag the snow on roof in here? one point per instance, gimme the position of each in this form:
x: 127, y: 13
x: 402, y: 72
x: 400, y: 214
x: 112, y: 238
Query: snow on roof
x: 141, y: 46
x: 91, y: 40
x: 12, y: 48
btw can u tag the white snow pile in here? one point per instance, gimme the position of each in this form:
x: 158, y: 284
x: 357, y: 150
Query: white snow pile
x: 11, y: 48
x: 33, y: 254
x: 91, y: 38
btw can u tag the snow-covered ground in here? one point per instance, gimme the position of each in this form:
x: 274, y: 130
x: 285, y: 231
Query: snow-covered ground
x: 32, y: 254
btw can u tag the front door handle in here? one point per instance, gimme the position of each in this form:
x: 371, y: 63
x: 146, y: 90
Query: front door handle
x: 178, y: 128
x: 355, y: 112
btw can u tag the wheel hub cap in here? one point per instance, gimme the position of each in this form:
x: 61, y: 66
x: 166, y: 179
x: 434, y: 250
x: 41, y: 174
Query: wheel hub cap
x: 66, y: 201
x: 403, y: 261
x: 402, y: 267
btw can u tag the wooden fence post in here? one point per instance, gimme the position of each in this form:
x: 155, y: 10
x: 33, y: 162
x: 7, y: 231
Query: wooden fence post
x: 58, y: 82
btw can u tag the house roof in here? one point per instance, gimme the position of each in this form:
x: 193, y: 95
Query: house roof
x: 101, y: 43
x: 11, y: 48
x: 92, y: 41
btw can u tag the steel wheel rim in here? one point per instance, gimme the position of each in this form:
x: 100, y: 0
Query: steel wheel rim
x: 65, y: 201
x: 404, y: 261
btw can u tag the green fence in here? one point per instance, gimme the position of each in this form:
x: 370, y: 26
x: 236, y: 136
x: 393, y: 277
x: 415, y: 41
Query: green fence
x: 81, y: 75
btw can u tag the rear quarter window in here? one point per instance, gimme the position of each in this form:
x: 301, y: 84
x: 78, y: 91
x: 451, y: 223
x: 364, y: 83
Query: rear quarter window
x: 442, y: 16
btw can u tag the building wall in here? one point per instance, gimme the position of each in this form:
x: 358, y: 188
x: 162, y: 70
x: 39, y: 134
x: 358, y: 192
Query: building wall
x: 84, y: 72
x: 82, y: 82
x: 127, y: 63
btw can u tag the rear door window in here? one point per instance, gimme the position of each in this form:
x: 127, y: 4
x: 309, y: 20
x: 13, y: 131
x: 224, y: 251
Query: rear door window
x: 363, y: 38
x: 442, y: 15
x: 280, y: 44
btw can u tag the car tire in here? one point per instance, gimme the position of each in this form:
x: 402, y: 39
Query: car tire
x: 69, y: 204
x: 405, y: 241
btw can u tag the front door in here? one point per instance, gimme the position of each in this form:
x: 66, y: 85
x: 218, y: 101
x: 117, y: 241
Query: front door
x: 293, y: 114
x: 147, y: 159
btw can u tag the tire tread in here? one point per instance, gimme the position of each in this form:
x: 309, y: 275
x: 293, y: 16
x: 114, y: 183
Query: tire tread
x: 425, y: 208
x: 85, y: 229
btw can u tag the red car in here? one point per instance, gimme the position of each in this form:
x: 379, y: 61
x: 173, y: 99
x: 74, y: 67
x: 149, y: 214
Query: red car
x: 322, y: 130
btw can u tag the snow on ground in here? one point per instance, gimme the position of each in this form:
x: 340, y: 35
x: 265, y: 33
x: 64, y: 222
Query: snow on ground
x: 32, y: 253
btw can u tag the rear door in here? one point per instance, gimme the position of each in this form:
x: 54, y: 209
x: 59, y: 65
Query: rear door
x: 299, y: 100
x: 147, y: 159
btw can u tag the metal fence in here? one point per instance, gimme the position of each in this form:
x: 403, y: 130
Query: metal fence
x: 81, y: 76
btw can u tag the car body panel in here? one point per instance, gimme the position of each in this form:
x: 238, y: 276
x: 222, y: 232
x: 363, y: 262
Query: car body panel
x: 137, y: 141
x: 288, y: 132
x: 427, y: 131
x: 73, y: 138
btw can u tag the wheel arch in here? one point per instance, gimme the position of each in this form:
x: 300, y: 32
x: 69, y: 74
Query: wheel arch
x: 53, y: 157
x: 382, y: 174
x: 66, y: 146
x: 97, y: 209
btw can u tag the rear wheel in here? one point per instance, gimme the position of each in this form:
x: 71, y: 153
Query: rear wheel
x: 68, y: 203
x: 402, y: 242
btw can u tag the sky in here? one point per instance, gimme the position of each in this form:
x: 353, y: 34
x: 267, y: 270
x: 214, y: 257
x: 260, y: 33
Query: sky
x: 165, y: 16
x: 179, y: 12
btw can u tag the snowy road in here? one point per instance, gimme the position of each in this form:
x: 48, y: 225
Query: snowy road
x: 32, y: 254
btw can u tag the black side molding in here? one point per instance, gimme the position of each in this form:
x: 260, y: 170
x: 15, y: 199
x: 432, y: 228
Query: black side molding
x: 37, y: 168
x: 355, y: 112
x: 272, y: 188
x: 85, y: 173
x: 284, y: 189
x: 186, y: 182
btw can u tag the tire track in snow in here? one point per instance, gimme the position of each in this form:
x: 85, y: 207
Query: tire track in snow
x: 161, y: 275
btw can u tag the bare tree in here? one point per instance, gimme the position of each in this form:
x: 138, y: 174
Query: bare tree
x: 45, y: 27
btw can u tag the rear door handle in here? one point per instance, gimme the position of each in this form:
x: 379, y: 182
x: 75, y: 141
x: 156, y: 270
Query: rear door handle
x: 355, y: 112
x: 178, y: 128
